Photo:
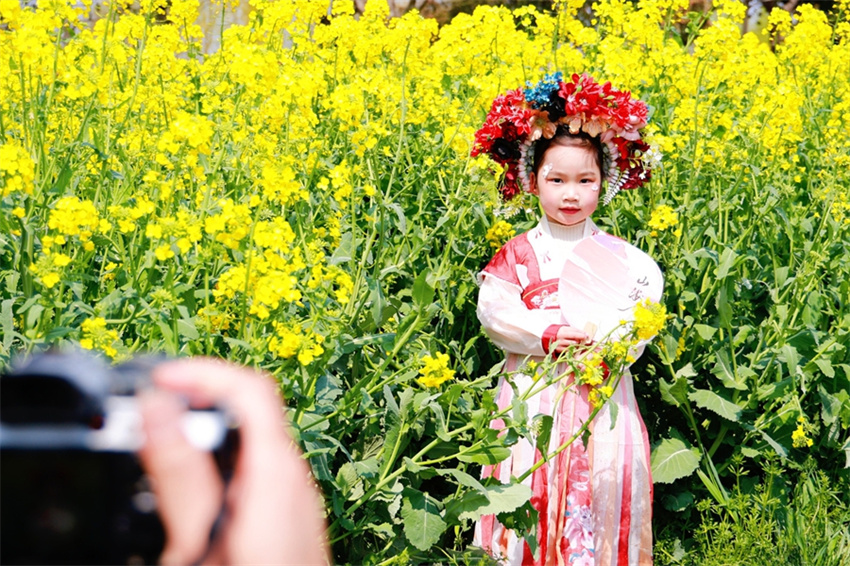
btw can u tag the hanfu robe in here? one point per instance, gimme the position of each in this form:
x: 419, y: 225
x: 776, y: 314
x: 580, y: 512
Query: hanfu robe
x: 594, y: 501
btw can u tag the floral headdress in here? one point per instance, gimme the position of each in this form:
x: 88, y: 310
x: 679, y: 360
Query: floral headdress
x: 520, y: 117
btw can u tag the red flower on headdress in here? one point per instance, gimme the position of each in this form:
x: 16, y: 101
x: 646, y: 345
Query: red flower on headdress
x: 509, y: 119
x: 515, y: 123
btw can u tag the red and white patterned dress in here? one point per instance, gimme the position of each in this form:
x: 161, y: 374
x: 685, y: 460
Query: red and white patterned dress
x: 595, y: 502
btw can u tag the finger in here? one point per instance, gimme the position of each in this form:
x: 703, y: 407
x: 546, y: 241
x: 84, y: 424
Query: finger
x: 185, y: 480
x: 250, y: 397
x: 271, y: 478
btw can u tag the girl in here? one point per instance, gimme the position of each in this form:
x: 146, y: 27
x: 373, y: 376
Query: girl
x: 561, y: 141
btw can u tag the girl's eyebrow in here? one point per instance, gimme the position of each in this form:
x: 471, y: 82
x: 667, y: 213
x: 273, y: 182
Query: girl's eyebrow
x: 556, y: 170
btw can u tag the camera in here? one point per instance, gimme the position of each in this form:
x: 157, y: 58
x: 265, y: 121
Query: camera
x: 71, y: 487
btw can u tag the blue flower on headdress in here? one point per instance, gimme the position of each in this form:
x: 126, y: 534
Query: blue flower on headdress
x: 538, y: 95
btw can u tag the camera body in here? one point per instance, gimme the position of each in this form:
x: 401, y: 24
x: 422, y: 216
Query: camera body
x: 71, y: 487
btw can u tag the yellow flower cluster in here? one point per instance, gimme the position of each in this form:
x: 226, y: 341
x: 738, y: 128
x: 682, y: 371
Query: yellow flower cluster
x: 593, y: 372
x: 499, y: 233
x: 95, y: 336
x: 650, y: 319
x: 17, y: 169
x: 74, y: 217
x: 663, y: 217
x: 598, y: 395
x: 292, y: 340
x: 435, y: 371
x: 800, y: 436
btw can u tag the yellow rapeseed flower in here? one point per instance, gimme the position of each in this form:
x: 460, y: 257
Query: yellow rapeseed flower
x: 72, y: 216
x: 292, y: 340
x: 95, y: 336
x: 17, y: 169
x: 650, y: 318
x: 435, y: 371
x: 663, y: 217
x: 800, y: 438
x: 499, y: 233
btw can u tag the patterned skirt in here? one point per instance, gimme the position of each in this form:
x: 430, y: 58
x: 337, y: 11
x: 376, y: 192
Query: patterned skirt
x: 595, y: 501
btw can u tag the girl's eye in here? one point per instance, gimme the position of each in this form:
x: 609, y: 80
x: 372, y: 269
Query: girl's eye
x: 556, y: 180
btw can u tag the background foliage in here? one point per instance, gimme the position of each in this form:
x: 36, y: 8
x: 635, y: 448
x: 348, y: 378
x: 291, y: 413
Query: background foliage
x: 303, y: 201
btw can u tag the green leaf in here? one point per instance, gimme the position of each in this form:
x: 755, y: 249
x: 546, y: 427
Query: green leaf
x: 780, y: 450
x: 676, y: 393
x: 723, y: 370
x: 423, y: 292
x: 831, y: 405
x: 705, y: 331
x: 727, y: 261
x: 789, y: 355
x: 7, y: 323
x: 463, y: 478
x: 714, y: 402
x: 367, y: 468
x: 686, y: 371
x: 502, y: 498
x: 391, y: 404
x: 402, y: 221
x: 344, y: 251
x: 33, y: 314
x: 542, y: 425
x: 678, y: 501
x: 750, y: 452
x: 346, y: 478
x: 723, y: 301
x: 488, y: 454
x: 826, y: 367
x: 187, y: 329
x: 422, y: 522
x: 167, y: 334
x: 614, y: 409
x: 673, y: 458
x: 379, y: 302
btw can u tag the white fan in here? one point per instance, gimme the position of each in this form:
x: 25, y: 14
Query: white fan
x: 602, y: 281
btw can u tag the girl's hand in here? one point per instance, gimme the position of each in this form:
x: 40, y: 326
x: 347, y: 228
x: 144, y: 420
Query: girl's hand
x: 569, y: 336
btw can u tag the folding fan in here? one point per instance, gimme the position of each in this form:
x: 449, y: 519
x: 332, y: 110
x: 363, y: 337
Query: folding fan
x: 602, y: 281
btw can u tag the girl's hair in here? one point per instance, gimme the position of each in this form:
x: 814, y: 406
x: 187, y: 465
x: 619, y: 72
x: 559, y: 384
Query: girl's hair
x: 564, y: 137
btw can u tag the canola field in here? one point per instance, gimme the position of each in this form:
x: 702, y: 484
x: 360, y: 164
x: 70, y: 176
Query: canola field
x: 303, y: 200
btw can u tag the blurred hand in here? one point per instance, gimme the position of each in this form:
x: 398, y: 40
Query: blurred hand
x: 569, y: 336
x: 274, y: 511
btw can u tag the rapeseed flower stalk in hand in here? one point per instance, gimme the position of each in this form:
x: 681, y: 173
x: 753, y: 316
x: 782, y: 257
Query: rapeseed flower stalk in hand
x: 650, y: 319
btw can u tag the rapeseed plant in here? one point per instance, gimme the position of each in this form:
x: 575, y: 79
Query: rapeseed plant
x: 303, y: 200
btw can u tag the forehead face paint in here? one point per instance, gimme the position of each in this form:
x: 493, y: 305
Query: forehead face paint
x: 545, y: 170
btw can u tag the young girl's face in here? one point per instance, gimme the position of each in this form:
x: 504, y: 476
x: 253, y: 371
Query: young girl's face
x: 567, y: 183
